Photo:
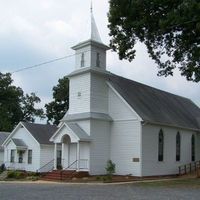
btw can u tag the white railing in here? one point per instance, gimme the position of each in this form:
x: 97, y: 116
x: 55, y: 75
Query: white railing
x: 83, y: 164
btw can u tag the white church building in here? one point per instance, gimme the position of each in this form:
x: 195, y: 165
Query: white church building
x: 143, y: 130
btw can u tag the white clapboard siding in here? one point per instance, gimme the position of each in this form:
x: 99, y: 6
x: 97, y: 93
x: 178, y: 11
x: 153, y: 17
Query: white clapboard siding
x: 73, y: 154
x: 31, y: 143
x: 125, y: 136
x: 99, y: 94
x: 46, y: 155
x: 125, y: 145
x: 118, y: 108
x: 150, y: 164
x: 85, y: 125
x: 79, y: 99
x: 99, y: 147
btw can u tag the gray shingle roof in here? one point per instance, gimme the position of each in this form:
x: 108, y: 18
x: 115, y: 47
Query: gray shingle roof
x: 3, y: 136
x: 41, y: 132
x: 19, y: 142
x: 157, y: 106
x: 83, y: 136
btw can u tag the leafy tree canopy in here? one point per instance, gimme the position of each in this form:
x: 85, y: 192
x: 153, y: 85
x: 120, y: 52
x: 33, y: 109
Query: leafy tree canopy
x: 14, y: 105
x: 56, y: 109
x: 169, y: 29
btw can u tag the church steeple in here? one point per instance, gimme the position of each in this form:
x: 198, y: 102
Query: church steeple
x: 91, y: 52
x: 94, y: 33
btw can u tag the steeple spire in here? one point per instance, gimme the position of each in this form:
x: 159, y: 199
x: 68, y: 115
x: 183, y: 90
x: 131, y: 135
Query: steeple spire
x: 94, y: 33
x: 91, y: 7
x: 91, y: 52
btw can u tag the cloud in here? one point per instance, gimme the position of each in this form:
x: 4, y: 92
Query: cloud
x: 36, y: 31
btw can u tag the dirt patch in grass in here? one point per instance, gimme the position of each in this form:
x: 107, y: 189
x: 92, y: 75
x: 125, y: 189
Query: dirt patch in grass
x: 185, y: 183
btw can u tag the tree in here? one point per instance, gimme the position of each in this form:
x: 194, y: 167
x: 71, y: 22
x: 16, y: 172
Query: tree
x: 14, y: 105
x: 56, y: 109
x: 169, y: 29
x: 28, y: 107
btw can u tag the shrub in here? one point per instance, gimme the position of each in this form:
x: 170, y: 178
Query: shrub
x: 110, y: 168
x: 11, y: 174
x: 16, y: 174
x: 98, y: 178
x: 33, y: 174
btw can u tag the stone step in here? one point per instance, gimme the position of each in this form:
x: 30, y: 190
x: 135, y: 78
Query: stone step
x: 3, y: 175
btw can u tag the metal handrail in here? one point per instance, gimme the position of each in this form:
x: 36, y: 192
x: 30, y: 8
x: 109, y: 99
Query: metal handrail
x: 62, y: 171
x: 68, y: 167
x: 50, y: 162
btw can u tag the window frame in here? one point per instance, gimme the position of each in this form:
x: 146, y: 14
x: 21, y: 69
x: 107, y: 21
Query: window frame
x: 20, y: 156
x: 178, y: 146
x: 193, y: 153
x: 12, y: 155
x: 161, y: 146
x: 30, y: 156
x: 98, y: 63
x: 82, y: 60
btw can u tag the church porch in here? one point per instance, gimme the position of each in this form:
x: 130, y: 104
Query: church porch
x: 71, y: 148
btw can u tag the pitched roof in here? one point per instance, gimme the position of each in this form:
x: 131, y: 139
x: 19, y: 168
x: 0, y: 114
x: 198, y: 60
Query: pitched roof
x: 82, y: 135
x: 19, y: 142
x: 3, y: 136
x: 157, y: 106
x: 94, y: 33
x: 41, y: 132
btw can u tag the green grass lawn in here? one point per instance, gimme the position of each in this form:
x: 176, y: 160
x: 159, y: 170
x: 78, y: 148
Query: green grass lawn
x: 192, y: 183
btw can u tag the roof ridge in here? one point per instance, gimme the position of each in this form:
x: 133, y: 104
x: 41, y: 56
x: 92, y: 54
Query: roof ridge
x: 32, y: 123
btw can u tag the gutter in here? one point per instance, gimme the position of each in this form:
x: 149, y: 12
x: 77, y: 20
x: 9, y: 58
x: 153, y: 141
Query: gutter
x: 145, y: 122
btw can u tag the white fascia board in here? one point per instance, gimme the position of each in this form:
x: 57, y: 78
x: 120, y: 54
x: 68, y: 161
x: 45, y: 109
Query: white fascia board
x: 55, y: 134
x: 124, y: 101
x: 64, y: 125
x: 30, y: 134
x: 11, y: 134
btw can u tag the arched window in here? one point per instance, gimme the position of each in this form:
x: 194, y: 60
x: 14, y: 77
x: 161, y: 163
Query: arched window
x: 160, y: 145
x: 98, y: 60
x: 193, y: 148
x: 82, y: 60
x: 178, y: 147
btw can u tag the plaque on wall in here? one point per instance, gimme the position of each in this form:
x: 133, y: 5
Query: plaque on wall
x: 136, y: 160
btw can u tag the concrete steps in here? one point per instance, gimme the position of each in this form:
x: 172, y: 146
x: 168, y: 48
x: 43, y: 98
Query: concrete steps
x: 3, y: 175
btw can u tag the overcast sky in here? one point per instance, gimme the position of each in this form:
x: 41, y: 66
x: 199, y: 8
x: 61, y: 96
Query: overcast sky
x: 34, y: 31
